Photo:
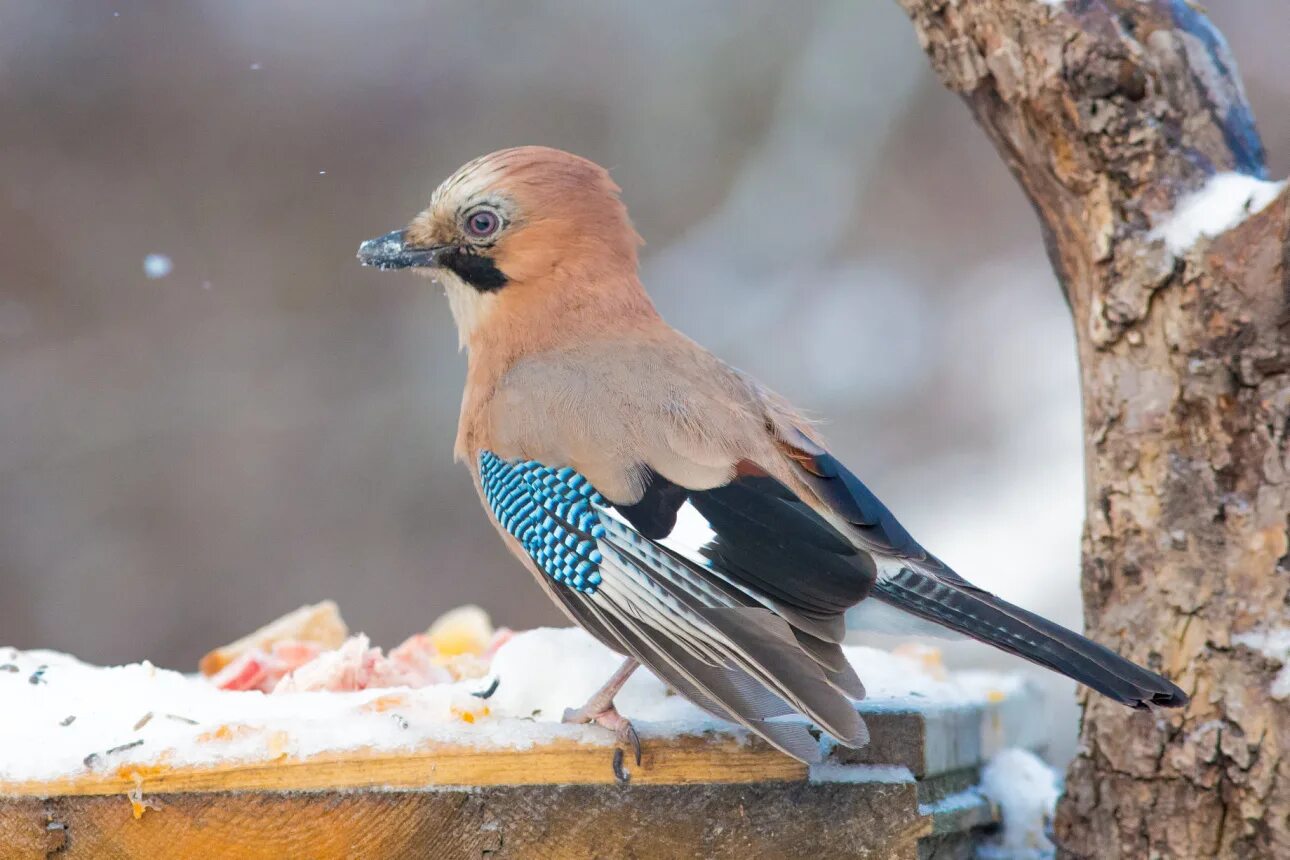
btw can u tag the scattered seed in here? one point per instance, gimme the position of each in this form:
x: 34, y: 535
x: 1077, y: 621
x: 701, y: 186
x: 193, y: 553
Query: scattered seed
x: 38, y: 676
x: 143, y: 721
x: 8, y: 667
x: 123, y: 747
x: 182, y: 719
x: 492, y: 688
x: 398, y: 718
x: 67, y: 720
x: 90, y: 760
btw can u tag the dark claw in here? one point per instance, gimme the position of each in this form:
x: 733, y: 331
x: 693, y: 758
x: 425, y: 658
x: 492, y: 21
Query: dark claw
x: 627, y: 732
x: 635, y: 741
x: 621, y: 775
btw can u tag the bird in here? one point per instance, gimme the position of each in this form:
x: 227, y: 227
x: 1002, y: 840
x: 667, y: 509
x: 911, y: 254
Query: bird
x: 681, y: 512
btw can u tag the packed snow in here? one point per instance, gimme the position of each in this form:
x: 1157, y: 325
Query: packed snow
x: 1026, y: 791
x: 960, y: 800
x: 863, y: 773
x: 1224, y: 201
x: 63, y: 717
x: 1275, y: 645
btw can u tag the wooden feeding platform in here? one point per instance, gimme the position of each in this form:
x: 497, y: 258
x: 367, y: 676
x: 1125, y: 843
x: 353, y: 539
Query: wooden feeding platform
x: 908, y: 795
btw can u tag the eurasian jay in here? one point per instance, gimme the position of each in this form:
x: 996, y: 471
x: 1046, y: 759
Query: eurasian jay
x: 683, y: 514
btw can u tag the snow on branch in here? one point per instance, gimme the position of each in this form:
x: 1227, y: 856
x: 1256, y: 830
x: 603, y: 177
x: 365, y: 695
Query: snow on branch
x: 1223, y: 202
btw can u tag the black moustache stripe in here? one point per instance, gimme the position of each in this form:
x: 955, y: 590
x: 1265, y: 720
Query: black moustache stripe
x: 475, y: 269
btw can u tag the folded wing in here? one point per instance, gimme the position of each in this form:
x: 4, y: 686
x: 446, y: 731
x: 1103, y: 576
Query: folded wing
x: 699, y: 586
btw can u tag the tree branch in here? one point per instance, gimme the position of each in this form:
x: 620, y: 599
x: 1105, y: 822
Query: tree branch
x: 1106, y: 112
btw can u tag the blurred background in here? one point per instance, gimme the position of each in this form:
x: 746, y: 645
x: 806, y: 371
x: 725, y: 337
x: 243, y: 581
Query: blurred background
x: 209, y: 414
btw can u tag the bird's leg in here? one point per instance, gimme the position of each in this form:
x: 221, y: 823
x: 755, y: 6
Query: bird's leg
x: 600, y: 709
x: 602, y: 700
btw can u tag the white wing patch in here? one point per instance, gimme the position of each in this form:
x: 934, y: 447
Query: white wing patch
x: 690, y: 534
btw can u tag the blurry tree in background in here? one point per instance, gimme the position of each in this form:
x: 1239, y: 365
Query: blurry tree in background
x: 184, y: 457
x: 1110, y: 113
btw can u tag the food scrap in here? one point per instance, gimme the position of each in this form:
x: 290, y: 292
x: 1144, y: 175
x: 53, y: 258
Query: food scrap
x: 225, y: 732
x: 927, y: 656
x: 138, y: 804
x: 319, y: 624
x: 310, y: 650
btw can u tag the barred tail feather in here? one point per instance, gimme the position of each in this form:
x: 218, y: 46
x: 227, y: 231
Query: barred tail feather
x: 953, y: 603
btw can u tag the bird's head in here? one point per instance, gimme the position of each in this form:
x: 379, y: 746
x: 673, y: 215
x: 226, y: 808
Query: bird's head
x: 529, y: 231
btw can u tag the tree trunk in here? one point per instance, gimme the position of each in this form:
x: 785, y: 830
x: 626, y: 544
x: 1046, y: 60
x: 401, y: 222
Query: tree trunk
x: 1109, y: 112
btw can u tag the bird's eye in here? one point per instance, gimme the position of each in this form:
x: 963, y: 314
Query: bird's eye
x: 482, y: 222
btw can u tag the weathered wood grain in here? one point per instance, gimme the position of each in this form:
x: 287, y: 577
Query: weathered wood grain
x: 718, y: 820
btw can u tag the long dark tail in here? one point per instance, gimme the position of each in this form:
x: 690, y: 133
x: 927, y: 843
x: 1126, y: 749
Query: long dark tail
x: 955, y: 603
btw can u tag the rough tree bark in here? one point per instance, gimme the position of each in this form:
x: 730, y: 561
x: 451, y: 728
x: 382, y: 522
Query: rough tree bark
x: 1108, y: 112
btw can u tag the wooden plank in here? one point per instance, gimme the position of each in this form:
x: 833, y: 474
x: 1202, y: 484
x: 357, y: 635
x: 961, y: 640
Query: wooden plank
x: 875, y: 820
x: 674, y: 761
x: 937, y: 739
x: 696, y: 796
x: 709, y: 796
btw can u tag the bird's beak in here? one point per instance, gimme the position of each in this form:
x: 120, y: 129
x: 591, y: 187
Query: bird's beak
x: 391, y: 252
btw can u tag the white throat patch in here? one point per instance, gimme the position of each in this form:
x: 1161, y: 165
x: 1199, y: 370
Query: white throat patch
x: 469, y: 306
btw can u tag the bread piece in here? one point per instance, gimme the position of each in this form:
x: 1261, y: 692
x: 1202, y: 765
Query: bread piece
x: 320, y: 622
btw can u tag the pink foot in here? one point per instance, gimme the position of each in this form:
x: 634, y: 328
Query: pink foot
x: 608, y: 718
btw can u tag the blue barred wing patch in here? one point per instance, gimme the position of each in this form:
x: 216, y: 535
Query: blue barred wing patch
x: 551, y: 512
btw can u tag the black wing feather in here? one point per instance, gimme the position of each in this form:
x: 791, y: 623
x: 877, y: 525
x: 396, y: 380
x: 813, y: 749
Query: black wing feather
x: 767, y: 541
